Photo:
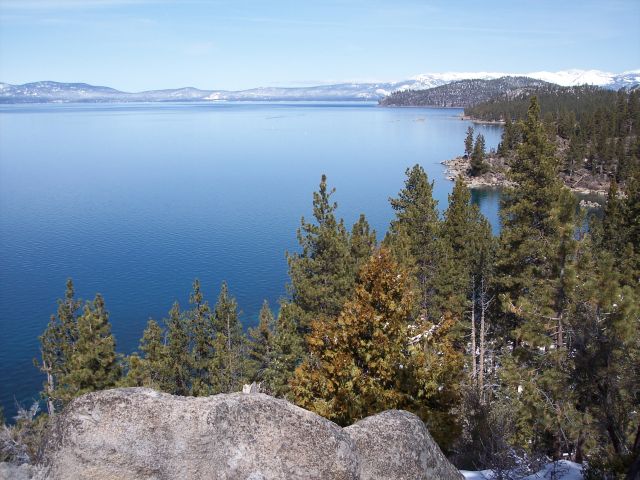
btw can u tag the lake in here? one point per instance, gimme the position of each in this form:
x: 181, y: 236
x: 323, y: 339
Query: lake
x: 136, y: 200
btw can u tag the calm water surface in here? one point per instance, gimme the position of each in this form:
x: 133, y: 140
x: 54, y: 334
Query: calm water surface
x: 135, y: 201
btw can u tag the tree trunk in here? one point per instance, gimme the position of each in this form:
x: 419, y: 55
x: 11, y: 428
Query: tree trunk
x: 483, y: 309
x: 50, y: 389
x: 579, y: 455
x: 474, y: 373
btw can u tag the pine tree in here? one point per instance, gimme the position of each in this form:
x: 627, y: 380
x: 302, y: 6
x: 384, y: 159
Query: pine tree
x: 478, y: 165
x: 362, y: 241
x: 457, y: 239
x: 468, y: 143
x: 535, y: 280
x: 631, y: 227
x: 57, y: 344
x: 287, y: 355
x: 576, y: 153
x: 606, y: 356
x: 322, y: 274
x: 413, y: 234
x: 261, y: 338
x: 178, y: 357
x: 228, y: 365
x: 356, y: 363
x: 464, y: 271
x: 148, y: 370
x: 613, y: 228
x: 93, y: 364
x: 202, y: 333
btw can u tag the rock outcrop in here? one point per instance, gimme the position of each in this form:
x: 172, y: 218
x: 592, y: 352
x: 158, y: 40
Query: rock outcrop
x: 396, y: 445
x: 9, y: 471
x: 137, y: 433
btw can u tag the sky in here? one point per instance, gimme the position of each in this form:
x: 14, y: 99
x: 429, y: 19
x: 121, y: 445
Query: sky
x: 135, y: 45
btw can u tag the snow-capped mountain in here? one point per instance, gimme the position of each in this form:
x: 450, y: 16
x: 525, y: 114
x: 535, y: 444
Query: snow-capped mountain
x: 565, y: 78
x: 574, y: 77
x: 48, y: 92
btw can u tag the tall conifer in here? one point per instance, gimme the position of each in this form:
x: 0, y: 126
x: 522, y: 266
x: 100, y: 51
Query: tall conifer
x: 536, y: 276
x: 178, y: 359
x: 228, y: 365
x: 261, y: 338
x: 413, y: 234
x: 202, y: 333
x: 322, y: 274
x: 93, y: 364
x: 288, y: 352
x: 57, y: 344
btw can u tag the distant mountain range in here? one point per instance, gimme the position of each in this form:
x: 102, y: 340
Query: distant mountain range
x: 55, y: 92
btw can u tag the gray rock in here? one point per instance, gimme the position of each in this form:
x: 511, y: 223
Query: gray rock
x: 137, y: 433
x: 9, y: 471
x: 396, y: 445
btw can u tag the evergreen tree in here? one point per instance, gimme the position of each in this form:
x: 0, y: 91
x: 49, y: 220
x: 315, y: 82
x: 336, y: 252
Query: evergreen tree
x: 457, y: 240
x: 362, y: 241
x: 464, y: 273
x: 606, y: 358
x: 468, y: 143
x: 631, y: 226
x: 178, y: 357
x: 576, y: 153
x: 261, y: 338
x: 356, y: 363
x: 148, y: 370
x: 93, y: 364
x: 478, y: 165
x: 322, y: 274
x: 57, y: 344
x: 535, y: 269
x: 202, y: 333
x: 413, y: 234
x: 434, y: 376
x: 228, y: 365
x: 613, y: 229
x: 288, y: 352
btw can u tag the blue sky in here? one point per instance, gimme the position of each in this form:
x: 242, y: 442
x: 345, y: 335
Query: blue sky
x: 145, y: 44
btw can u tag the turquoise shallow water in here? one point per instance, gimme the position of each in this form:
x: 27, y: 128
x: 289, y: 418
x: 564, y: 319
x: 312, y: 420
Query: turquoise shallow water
x: 135, y: 201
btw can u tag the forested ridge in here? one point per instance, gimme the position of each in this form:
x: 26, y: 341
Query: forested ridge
x: 463, y: 93
x: 513, y: 349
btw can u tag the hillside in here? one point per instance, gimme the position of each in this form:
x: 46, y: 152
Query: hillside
x: 582, y: 101
x: 464, y: 93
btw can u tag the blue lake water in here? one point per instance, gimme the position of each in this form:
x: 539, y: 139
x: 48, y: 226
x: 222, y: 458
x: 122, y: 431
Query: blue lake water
x: 135, y: 201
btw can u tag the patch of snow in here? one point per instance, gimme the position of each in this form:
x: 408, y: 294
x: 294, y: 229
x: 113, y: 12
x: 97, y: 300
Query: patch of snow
x: 477, y: 475
x: 561, y: 470
x: 573, y: 77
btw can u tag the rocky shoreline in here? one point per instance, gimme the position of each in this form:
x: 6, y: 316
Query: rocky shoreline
x: 497, y: 177
x: 481, y: 122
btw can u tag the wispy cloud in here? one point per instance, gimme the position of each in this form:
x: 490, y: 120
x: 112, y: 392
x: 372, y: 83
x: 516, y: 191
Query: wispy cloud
x: 70, y: 4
